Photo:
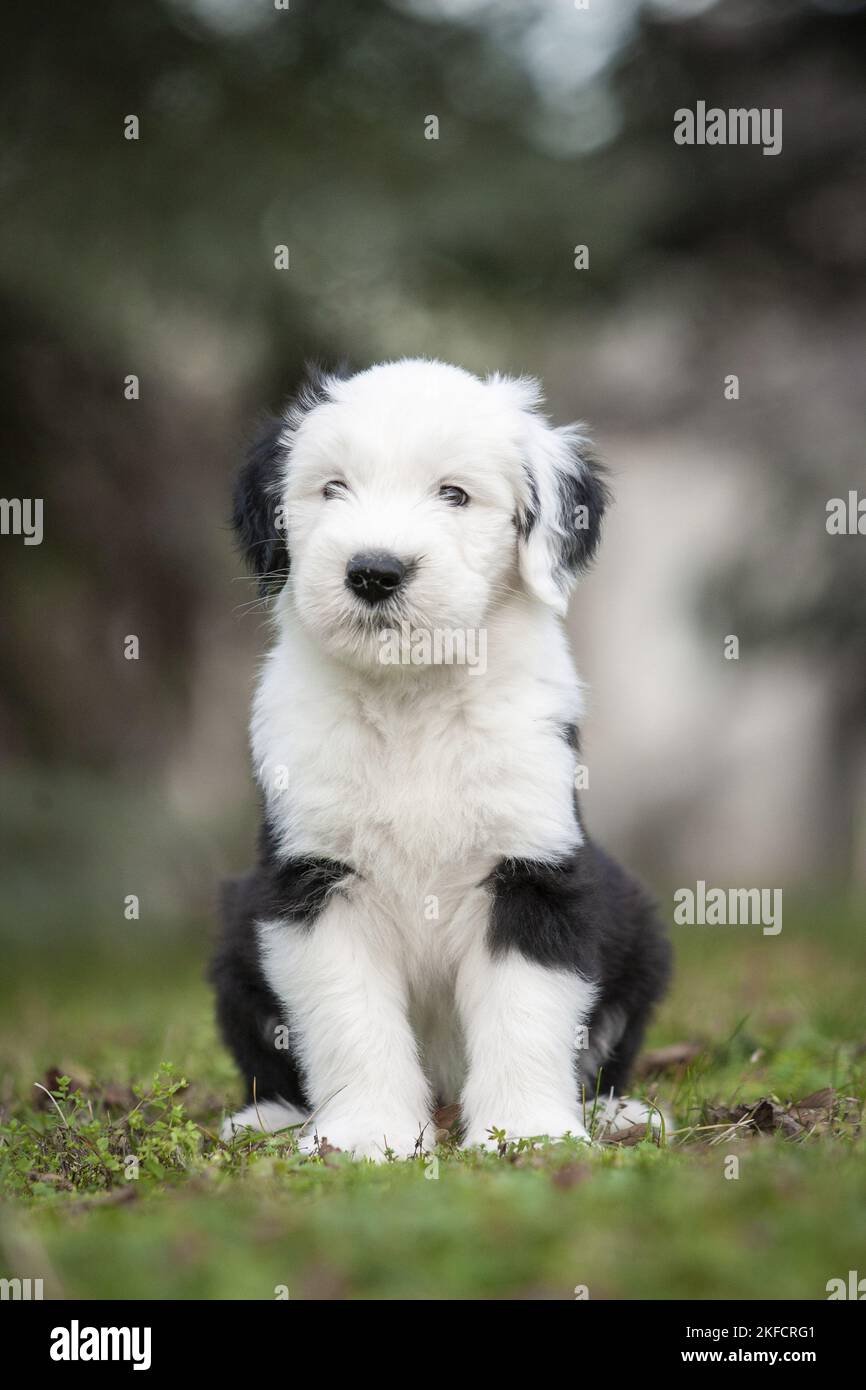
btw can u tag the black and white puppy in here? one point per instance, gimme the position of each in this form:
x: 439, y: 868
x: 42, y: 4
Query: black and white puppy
x: 428, y: 921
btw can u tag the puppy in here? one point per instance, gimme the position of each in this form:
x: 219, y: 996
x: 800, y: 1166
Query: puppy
x: 428, y: 921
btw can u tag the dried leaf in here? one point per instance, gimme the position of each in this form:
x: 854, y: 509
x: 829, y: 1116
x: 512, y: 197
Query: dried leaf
x: 818, y: 1100
x: 625, y: 1138
x: 676, y: 1057
x: 51, y: 1082
x: 814, y: 1114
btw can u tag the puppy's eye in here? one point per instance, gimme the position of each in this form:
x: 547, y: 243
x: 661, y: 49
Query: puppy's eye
x: 454, y: 496
x: 335, y: 488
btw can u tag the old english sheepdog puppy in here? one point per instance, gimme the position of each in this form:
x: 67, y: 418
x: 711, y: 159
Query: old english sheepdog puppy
x: 428, y: 921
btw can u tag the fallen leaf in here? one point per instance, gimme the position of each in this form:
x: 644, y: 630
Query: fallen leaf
x: 675, y: 1057
x: 818, y: 1100
x: 625, y: 1138
x: 51, y: 1082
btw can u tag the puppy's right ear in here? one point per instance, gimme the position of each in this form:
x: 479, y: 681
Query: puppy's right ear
x: 256, y: 514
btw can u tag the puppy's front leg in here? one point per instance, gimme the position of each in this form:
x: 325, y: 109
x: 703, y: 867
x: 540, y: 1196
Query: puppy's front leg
x: 520, y: 1020
x: 347, y: 1009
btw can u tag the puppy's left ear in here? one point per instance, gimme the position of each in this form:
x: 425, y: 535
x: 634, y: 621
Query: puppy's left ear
x: 255, y: 514
x: 559, y: 523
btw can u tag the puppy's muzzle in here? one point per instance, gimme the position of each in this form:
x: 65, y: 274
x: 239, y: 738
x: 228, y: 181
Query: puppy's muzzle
x: 375, y: 577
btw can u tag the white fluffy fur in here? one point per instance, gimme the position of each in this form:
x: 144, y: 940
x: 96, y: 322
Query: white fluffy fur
x: 421, y: 778
x: 266, y: 1116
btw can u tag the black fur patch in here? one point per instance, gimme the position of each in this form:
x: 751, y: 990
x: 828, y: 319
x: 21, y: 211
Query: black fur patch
x: 256, y: 497
x: 571, y: 734
x: 547, y: 912
x: 294, y: 888
x: 581, y: 529
x: 254, y: 513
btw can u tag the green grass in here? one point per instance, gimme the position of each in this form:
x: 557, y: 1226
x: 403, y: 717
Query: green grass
x: 778, y: 1017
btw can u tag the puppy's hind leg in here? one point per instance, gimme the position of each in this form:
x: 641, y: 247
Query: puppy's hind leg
x: 265, y: 1116
x: 250, y: 1020
x: 604, y: 1072
x: 636, y: 957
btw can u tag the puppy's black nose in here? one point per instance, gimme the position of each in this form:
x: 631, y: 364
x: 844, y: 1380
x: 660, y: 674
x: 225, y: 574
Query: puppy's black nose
x: 375, y: 577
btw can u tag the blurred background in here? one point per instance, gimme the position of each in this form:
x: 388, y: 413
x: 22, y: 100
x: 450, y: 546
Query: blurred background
x: 305, y: 127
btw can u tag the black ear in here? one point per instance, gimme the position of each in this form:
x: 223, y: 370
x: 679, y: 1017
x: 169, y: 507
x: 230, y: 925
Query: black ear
x: 256, y: 519
x: 559, y: 524
x: 584, y: 497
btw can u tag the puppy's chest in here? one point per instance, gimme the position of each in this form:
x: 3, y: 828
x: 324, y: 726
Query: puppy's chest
x: 415, y: 794
x: 418, y: 796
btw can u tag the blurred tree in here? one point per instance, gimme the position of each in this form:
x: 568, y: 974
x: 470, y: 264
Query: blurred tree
x: 306, y: 127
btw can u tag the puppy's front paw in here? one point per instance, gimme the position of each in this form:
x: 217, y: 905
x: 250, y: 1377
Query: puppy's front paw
x: 378, y: 1141
x: 536, y: 1127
